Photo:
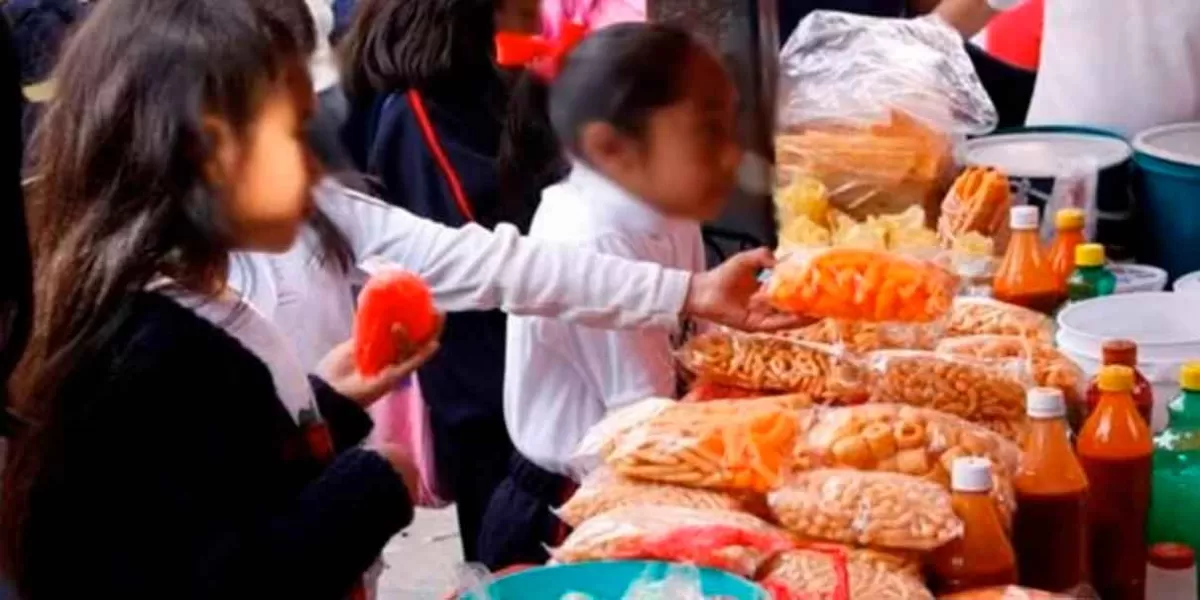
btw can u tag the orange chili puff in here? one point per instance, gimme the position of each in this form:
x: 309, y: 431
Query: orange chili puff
x: 864, y: 285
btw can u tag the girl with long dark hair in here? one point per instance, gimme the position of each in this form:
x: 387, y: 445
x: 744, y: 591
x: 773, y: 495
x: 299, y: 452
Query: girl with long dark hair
x: 172, y: 444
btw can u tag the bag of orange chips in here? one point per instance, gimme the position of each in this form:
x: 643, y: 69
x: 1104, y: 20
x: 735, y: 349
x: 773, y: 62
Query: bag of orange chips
x: 866, y: 285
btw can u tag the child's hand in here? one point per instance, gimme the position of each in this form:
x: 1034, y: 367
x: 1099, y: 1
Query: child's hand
x: 731, y: 295
x: 403, y: 464
x: 339, y: 371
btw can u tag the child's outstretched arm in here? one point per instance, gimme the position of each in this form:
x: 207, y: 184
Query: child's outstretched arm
x: 471, y: 268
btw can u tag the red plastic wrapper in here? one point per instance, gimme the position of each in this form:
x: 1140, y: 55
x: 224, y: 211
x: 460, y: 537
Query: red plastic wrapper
x: 705, y: 390
x: 730, y: 541
x: 391, y: 299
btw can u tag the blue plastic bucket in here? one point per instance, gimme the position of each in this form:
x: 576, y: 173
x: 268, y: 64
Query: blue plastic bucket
x: 1169, y: 158
x: 1032, y: 157
x: 607, y: 580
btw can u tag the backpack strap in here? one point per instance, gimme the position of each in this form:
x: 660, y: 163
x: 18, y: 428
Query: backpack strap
x: 439, y: 156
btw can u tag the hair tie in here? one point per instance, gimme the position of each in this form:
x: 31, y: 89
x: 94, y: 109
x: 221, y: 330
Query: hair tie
x: 543, y: 56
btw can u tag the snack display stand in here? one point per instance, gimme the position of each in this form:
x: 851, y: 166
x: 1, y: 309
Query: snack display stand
x: 817, y: 463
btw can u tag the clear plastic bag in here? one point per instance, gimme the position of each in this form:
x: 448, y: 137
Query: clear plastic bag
x: 811, y: 573
x: 702, y: 389
x: 1075, y: 187
x: 726, y: 540
x: 743, y: 445
x: 870, y: 108
x: 603, y: 490
x: 864, y: 336
x: 868, y: 508
x: 1048, y: 366
x: 864, y: 285
x: 984, y: 316
x: 974, y: 390
x: 978, y: 202
x: 681, y: 583
x: 775, y: 364
x: 914, y: 441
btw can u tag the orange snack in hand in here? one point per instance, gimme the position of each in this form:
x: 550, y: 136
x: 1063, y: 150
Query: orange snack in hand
x: 867, y: 285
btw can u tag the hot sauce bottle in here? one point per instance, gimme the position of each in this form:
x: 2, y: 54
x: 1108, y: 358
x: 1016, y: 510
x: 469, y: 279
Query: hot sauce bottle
x: 1068, y: 226
x: 1050, y: 529
x: 1115, y: 449
x: 1124, y: 353
x: 1025, y: 276
x: 982, y: 556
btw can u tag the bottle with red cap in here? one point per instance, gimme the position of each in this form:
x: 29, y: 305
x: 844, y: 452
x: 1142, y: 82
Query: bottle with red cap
x: 982, y: 556
x: 1171, y: 573
x: 1123, y: 353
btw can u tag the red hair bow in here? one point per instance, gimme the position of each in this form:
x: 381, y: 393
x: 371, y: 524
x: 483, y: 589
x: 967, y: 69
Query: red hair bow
x: 537, y: 53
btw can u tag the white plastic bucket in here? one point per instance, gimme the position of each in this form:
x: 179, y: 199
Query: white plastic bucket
x: 1166, y: 327
x: 1188, y: 283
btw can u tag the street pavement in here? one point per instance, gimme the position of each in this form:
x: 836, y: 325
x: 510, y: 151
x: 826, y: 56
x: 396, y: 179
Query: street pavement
x: 424, y: 559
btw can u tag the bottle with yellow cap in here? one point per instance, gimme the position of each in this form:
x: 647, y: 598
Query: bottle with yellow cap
x: 1091, y: 279
x: 1175, y: 486
x: 1068, y: 227
x: 1115, y: 450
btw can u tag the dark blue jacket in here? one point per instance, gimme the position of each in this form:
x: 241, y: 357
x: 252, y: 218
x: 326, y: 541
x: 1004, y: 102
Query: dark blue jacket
x: 39, y: 29
x: 180, y: 474
x: 465, y: 379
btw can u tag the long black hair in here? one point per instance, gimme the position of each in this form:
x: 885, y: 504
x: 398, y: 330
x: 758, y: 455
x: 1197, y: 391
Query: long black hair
x: 122, y: 194
x: 16, y: 293
x: 617, y: 75
x: 419, y: 44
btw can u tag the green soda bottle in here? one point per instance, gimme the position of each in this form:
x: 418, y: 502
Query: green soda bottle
x: 1091, y: 278
x: 1175, y: 479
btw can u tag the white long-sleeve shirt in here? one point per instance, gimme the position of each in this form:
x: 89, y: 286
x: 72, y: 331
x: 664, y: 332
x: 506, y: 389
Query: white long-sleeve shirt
x: 469, y: 268
x: 322, y: 65
x: 1123, y: 65
x: 561, y: 378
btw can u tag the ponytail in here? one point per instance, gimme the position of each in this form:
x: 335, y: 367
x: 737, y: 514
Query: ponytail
x: 530, y: 156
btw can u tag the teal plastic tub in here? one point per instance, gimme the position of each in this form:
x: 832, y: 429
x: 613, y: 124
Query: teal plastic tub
x: 1169, y: 160
x: 607, y: 581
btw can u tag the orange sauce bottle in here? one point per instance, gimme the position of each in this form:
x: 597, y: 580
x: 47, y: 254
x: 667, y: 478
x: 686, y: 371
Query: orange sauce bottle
x: 1115, y: 449
x: 982, y: 556
x: 1124, y: 353
x: 1068, y: 226
x: 1025, y: 276
x: 1050, y: 529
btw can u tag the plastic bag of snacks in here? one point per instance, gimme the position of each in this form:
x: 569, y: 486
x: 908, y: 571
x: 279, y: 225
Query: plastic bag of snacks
x: 1048, y: 366
x: 810, y: 573
x: 725, y: 444
x: 905, y: 562
x: 703, y: 390
x: 603, y: 490
x: 906, y: 439
x: 978, y: 202
x: 984, y: 316
x: 884, y: 510
x: 863, y: 336
x: 866, y: 285
x: 870, y: 107
x: 1013, y: 592
x: 726, y: 540
x: 971, y: 389
x: 775, y: 363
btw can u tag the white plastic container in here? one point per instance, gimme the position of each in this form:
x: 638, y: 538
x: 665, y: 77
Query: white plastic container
x: 1165, y: 326
x: 1138, y: 278
x: 1188, y: 283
